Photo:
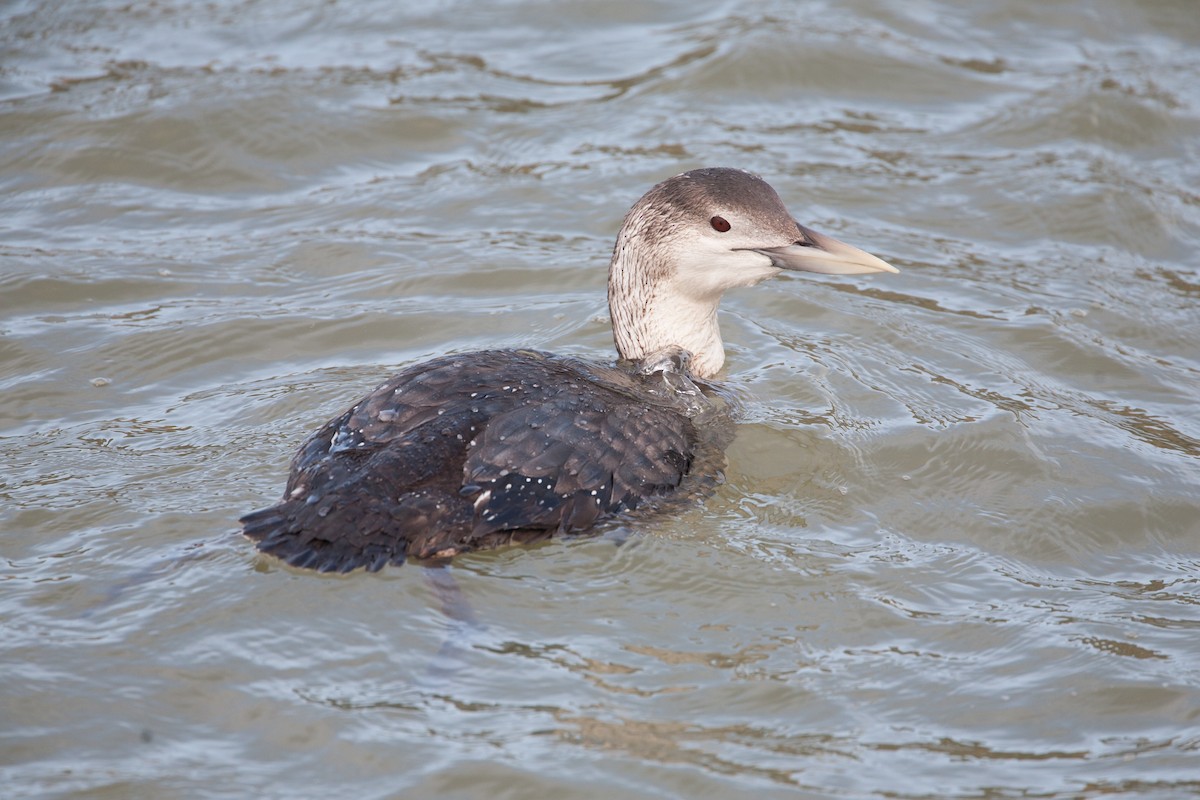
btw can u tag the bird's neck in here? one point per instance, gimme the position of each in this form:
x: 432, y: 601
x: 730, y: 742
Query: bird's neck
x: 651, y: 310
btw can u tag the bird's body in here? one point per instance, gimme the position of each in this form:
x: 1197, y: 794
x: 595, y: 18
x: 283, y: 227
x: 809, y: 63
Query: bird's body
x: 473, y: 450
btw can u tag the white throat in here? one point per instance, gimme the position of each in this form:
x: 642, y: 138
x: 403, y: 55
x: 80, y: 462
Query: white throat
x: 656, y: 304
x: 652, y: 323
x: 665, y: 293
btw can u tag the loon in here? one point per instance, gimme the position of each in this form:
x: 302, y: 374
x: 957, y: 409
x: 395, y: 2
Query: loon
x: 475, y: 450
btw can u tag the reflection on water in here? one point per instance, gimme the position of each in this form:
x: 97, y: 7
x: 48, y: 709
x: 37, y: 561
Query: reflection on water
x: 956, y: 553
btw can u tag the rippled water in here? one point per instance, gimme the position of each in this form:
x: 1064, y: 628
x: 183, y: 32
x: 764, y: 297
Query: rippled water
x: 958, y: 552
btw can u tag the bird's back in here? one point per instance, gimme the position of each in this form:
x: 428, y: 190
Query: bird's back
x: 469, y: 451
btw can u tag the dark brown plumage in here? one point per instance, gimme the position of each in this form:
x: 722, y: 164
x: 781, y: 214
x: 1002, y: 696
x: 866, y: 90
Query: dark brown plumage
x: 470, y: 451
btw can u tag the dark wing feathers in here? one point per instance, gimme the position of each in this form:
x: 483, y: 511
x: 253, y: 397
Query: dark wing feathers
x: 469, y: 451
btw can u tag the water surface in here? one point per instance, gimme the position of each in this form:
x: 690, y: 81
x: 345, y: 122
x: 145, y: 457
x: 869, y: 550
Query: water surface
x: 957, y: 553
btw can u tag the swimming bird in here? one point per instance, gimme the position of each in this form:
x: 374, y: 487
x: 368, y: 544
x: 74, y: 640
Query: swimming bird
x: 478, y: 449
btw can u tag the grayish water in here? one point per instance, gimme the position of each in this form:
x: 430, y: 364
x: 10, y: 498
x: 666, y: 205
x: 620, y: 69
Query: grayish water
x: 958, y: 552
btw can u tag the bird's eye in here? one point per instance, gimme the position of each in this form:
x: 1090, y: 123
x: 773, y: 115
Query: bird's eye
x: 720, y: 224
